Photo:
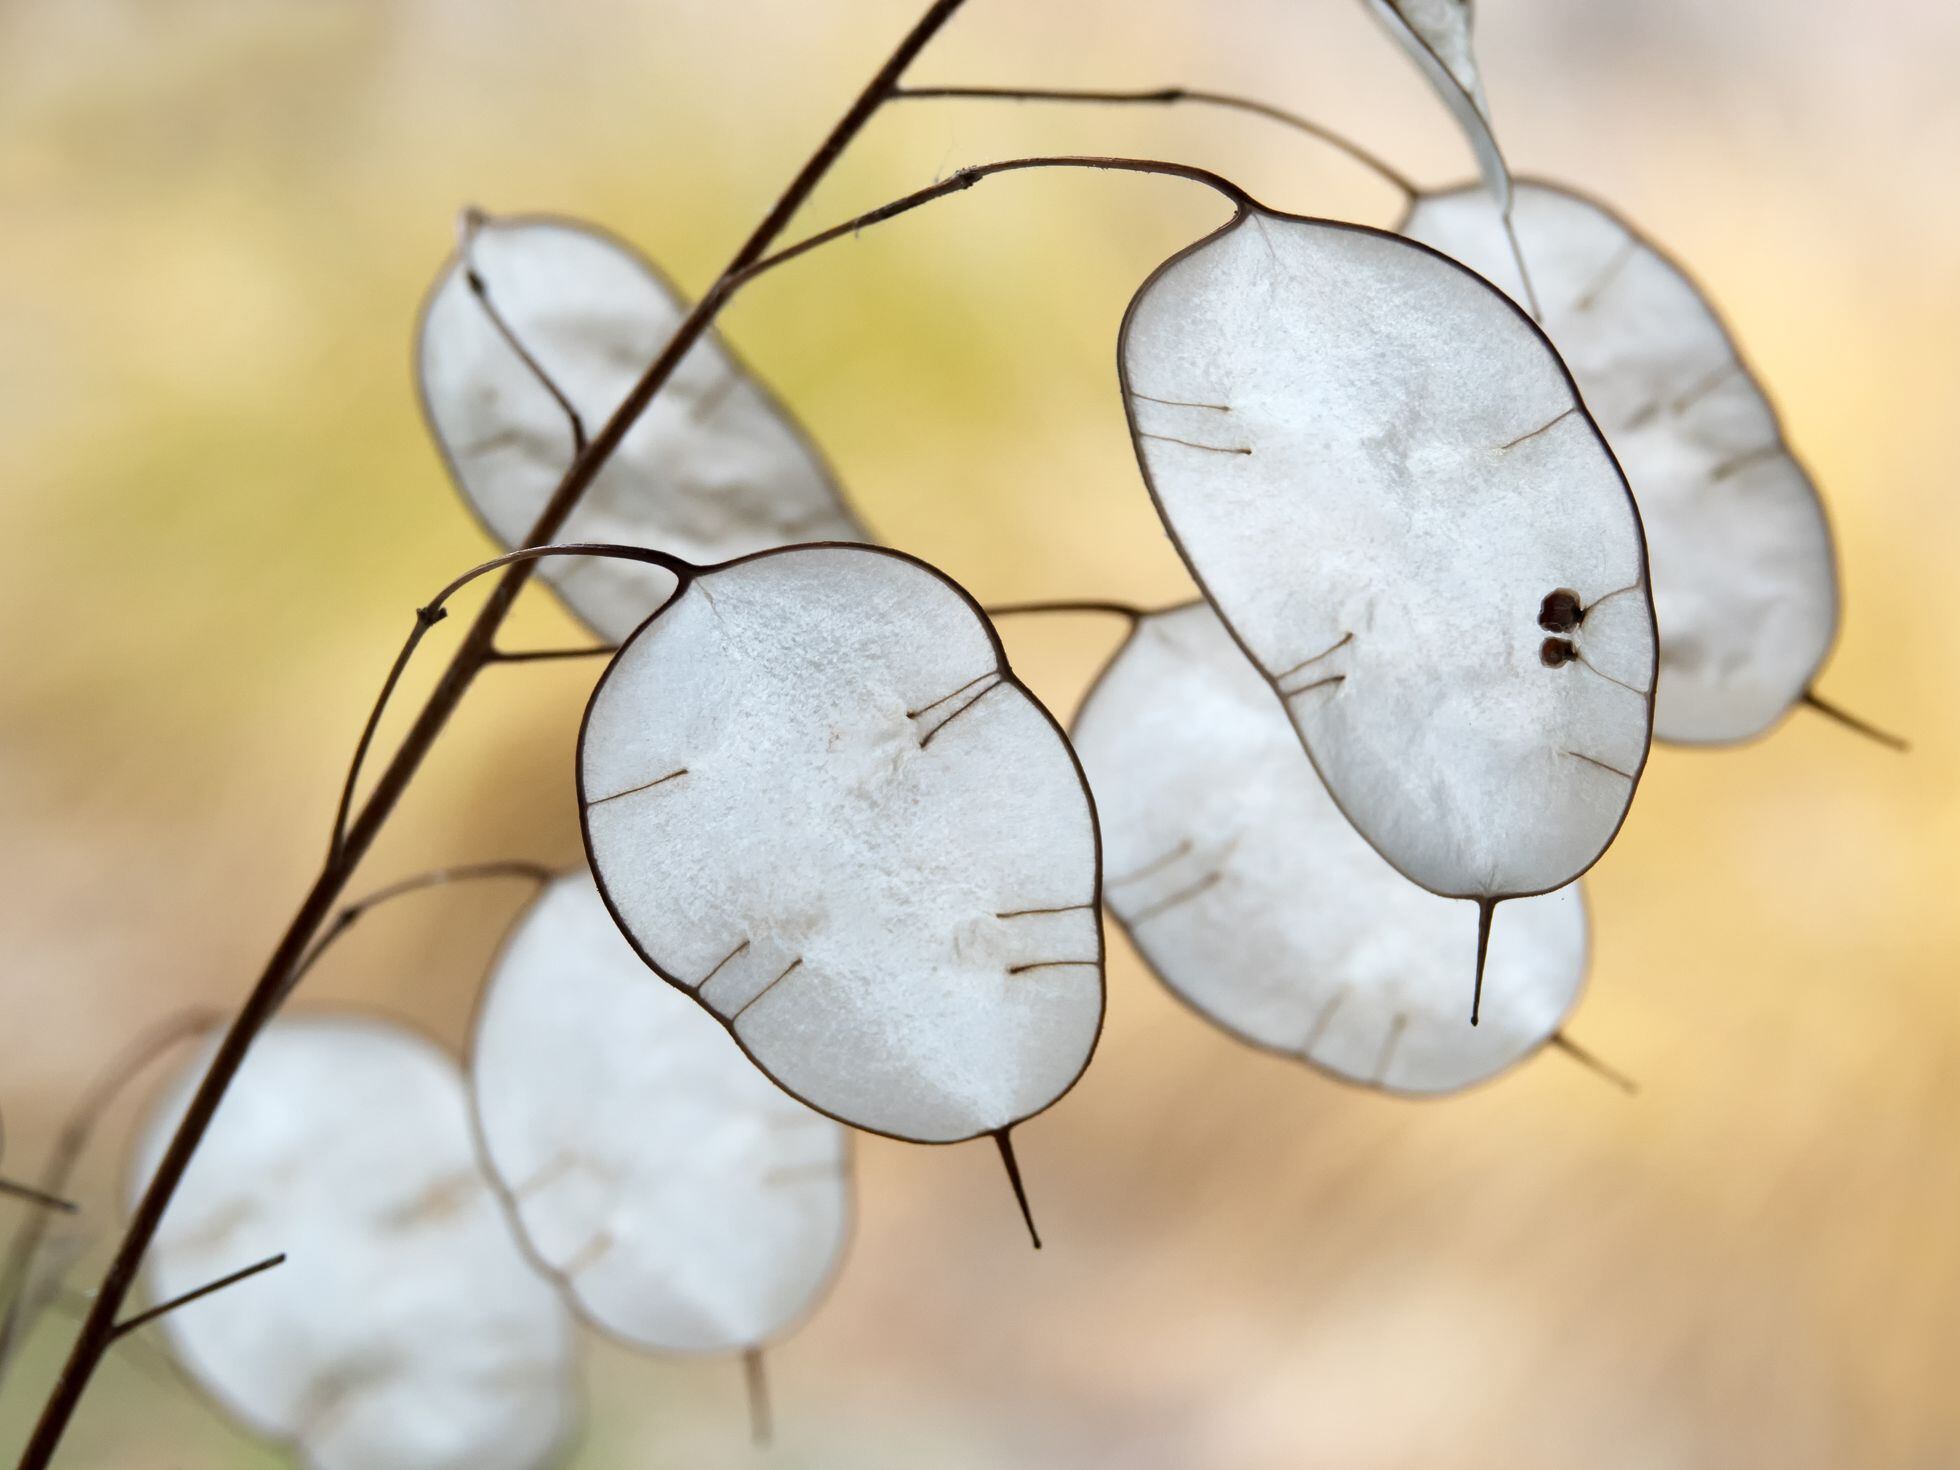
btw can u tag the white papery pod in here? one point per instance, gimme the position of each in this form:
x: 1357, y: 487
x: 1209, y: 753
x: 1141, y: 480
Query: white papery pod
x: 1437, y: 36
x: 684, y: 1202
x: 714, y: 468
x: 1254, y: 900
x: 1745, y: 581
x: 817, y: 799
x: 1382, y: 476
x: 405, y: 1329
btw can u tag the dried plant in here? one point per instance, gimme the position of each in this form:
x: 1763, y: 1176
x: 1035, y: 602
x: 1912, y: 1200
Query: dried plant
x: 1408, y: 472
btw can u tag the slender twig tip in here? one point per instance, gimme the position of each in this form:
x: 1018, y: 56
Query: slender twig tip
x: 143, y: 1319
x: 1592, y: 1063
x: 1014, y: 1178
x: 1852, y: 722
x: 761, y: 1424
x: 39, y: 1197
x: 1485, y: 908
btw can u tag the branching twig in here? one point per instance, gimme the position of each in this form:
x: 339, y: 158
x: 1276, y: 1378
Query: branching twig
x: 1171, y: 96
x: 1852, y: 722
x: 355, y: 832
x: 1127, y: 610
x: 352, y: 914
x: 143, y: 1319
x: 467, y: 226
x: 966, y: 178
x: 36, y: 1197
x: 545, y: 655
x: 428, y: 616
x: 99, y: 1327
x: 434, y: 612
x: 69, y: 1145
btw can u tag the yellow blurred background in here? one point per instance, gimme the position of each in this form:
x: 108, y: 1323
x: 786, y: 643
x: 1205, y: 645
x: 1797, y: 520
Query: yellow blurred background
x: 216, y: 219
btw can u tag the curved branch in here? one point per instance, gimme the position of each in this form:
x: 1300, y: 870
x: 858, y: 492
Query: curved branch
x: 145, y: 1318
x: 966, y: 178
x: 1116, y: 609
x: 467, y: 225
x: 70, y: 1144
x: 40, y: 1199
x: 98, y: 1327
x: 352, y: 913
x: 427, y: 617
x: 1850, y: 721
x: 547, y: 655
x: 1172, y: 96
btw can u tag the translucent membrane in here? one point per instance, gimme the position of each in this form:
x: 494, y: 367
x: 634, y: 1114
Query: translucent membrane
x: 405, y: 1330
x: 1382, y: 477
x: 684, y: 1202
x: 1255, y: 901
x: 1745, y: 583
x: 714, y: 468
x: 817, y: 799
x: 1437, y: 36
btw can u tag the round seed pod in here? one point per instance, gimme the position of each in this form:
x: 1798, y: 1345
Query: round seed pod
x: 405, y: 1329
x: 816, y: 798
x: 714, y: 468
x: 682, y: 1201
x: 1257, y: 904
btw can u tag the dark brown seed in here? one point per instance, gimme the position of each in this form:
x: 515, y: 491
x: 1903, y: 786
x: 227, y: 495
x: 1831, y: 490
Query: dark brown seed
x: 1561, y: 611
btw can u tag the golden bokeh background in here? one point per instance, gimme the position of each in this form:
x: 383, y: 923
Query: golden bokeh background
x: 216, y: 220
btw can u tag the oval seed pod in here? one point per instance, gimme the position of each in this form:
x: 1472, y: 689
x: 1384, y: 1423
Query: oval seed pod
x: 682, y: 1202
x: 1258, y: 905
x: 405, y: 1330
x: 1745, y: 582
x: 1437, y: 36
x: 1380, y: 474
x: 714, y: 468
x: 816, y: 798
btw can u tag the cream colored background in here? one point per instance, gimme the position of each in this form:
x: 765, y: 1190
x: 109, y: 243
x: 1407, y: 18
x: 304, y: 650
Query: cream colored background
x: 220, y: 508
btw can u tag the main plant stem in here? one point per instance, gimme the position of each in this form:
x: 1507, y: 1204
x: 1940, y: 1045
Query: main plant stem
x: 478, y: 649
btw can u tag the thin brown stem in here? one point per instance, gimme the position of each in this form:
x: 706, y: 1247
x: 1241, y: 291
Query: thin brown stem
x: 548, y: 655
x: 427, y: 617
x: 1170, y: 97
x: 13, y: 1189
x: 99, y: 1327
x: 352, y: 914
x: 142, y: 1355
x: 467, y: 226
x: 1851, y: 722
x: 1013, y: 1167
x: 761, y: 1425
x: 70, y: 1144
x: 1127, y: 610
x: 1485, y: 908
x: 966, y: 178
x: 143, y: 1319
x: 1591, y: 1061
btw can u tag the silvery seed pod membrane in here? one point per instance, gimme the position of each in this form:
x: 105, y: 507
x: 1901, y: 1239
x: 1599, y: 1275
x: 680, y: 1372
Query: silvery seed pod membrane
x: 1745, y: 581
x: 1381, y: 475
x: 405, y: 1329
x: 714, y: 468
x: 1257, y: 904
x: 817, y: 799
x: 1437, y: 35
x: 682, y: 1201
